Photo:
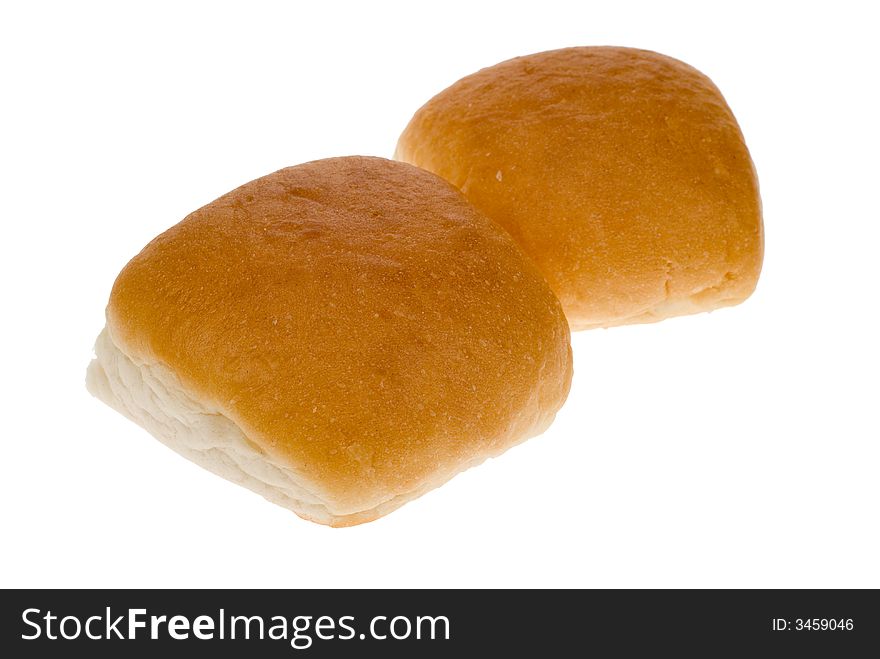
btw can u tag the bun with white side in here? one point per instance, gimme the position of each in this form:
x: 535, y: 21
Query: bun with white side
x: 340, y: 337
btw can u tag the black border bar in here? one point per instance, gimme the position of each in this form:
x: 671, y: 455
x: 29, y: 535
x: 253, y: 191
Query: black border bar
x: 521, y: 623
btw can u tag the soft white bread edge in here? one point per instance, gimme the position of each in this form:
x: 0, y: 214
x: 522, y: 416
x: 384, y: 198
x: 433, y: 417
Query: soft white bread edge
x: 151, y: 396
x: 155, y: 401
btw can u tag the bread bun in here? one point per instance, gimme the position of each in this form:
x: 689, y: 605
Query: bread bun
x: 622, y: 173
x: 340, y: 337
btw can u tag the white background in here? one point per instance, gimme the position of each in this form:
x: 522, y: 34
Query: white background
x: 738, y: 448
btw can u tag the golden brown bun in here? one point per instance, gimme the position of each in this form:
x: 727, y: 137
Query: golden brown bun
x: 357, y: 325
x: 622, y: 173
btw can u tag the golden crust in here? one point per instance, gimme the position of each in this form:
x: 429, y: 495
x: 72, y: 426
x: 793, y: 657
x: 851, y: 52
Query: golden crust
x: 622, y: 173
x: 360, y: 322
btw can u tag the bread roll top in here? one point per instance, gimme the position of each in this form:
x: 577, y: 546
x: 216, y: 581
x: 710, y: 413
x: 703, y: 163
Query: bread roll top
x: 622, y: 173
x: 358, y: 319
